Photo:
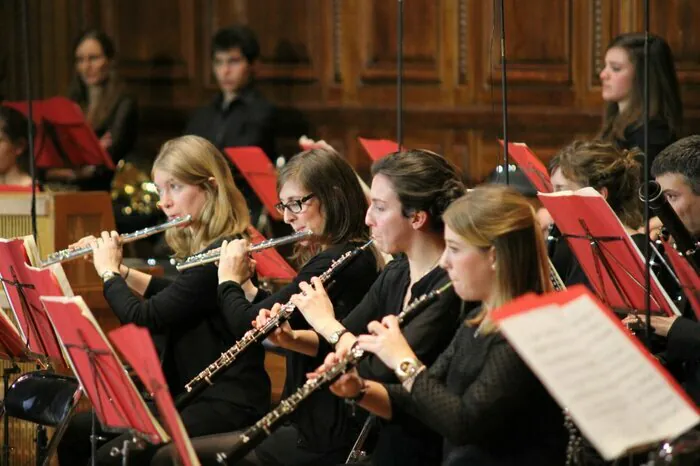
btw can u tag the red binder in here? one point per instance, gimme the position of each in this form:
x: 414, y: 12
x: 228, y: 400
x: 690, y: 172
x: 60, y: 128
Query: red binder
x: 378, y: 148
x: 532, y: 167
x: 690, y: 281
x: 135, y: 344
x: 270, y: 263
x: 62, y: 129
x: 259, y: 173
x: 611, y: 261
x: 23, y: 286
x: 115, y: 399
x: 12, y: 346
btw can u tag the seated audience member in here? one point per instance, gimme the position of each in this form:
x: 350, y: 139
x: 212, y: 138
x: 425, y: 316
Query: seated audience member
x: 14, y: 156
x: 239, y: 115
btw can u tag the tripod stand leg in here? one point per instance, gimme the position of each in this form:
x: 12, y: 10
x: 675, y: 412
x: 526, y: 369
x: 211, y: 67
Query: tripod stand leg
x: 6, y: 448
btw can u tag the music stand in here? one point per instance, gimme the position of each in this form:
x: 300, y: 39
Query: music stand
x: 136, y: 346
x: 63, y: 137
x: 116, y: 402
x: 532, y: 167
x: 260, y: 174
x: 612, y: 263
x: 689, y: 280
x: 378, y: 148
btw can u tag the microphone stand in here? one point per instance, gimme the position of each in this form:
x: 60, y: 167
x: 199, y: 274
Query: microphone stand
x: 399, y: 75
x: 30, y: 114
x: 504, y: 92
x: 647, y: 176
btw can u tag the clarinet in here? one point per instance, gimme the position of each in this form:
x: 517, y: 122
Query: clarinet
x: 207, y: 377
x: 255, y: 434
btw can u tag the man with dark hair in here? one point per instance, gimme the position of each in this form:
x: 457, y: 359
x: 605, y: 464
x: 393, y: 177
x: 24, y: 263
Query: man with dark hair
x: 239, y: 115
x: 677, y: 170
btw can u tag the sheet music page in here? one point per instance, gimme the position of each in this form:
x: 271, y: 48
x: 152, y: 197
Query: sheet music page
x: 617, y: 396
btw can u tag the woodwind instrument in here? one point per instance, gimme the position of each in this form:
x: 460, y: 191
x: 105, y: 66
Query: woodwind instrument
x: 207, y: 377
x: 255, y: 434
x: 66, y: 255
x: 214, y: 254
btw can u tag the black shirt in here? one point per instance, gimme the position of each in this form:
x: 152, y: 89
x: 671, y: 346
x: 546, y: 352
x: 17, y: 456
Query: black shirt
x: 322, y: 420
x: 660, y: 136
x: 186, y: 311
x: 406, y: 441
x: 482, y: 398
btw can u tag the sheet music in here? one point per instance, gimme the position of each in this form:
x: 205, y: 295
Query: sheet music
x: 616, y: 394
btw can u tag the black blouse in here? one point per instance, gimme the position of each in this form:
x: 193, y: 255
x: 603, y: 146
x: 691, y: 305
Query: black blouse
x: 482, y: 398
x: 660, y: 136
x: 323, y: 419
x: 186, y: 312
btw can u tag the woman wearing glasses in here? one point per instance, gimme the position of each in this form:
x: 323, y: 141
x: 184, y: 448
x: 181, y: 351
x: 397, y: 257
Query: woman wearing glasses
x: 319, y: 192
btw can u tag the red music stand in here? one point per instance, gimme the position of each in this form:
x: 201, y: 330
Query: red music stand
x: 63, y: 137
x: 688, y: 278
x: 260, y: 174
x: 378, y: 148
x: 136, y: 346
x: 115, y: 400
x: 23, y: 286
x: 532, y: 167
x: 270, y: 263
x: 612, y: 263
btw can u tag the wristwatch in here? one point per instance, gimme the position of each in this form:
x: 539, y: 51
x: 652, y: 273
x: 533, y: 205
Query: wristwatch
x: 335, y: 336
x: 408, y: 367
x: 108, y: 275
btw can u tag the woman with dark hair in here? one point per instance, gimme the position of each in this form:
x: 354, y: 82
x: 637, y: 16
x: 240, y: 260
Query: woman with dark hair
x: 14, y: 154
x: 110, y: 112
x: 478, y: 395
x: 623, y: 91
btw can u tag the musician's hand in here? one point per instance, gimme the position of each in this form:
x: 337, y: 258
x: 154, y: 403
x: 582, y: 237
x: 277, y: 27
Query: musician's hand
x: 661, y: 324
x: 387, y: 342
x: 307, y: 143
x: 655, y: 226
x: 347, y: 385
x: 107, y: 252
x: 234, y: 263
x: 314, y: 304
x: 83, y: 243
x: 283, y: 334
x: 106, y: 140
x: 544, y: 219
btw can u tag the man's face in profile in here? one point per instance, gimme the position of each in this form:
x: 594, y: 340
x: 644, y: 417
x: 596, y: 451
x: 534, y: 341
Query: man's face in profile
x: 684, y: 201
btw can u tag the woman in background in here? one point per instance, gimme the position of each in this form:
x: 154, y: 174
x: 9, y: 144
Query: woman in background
x: 14, y: 154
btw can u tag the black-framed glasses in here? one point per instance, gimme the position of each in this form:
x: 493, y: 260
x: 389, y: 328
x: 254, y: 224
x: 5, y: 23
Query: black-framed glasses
x: 294, y: 206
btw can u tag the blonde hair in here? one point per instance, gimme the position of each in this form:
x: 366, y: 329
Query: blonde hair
x: 195, y: 161
x: 496, y: 216
x: 600, y: 164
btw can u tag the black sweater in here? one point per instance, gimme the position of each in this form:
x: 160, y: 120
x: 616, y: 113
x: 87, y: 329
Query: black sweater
x: 185, y: 311
x: 323, y: 419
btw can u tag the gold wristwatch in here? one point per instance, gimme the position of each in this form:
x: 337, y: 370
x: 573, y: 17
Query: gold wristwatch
x: 407, y: 368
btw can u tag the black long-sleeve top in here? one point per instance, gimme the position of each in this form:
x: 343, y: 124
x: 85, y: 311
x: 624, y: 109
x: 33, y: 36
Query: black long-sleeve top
x: 323, y: 421
x: 186, y: 312
x: 406, y: 441
x: 489, y: 407
x: 660, y: 136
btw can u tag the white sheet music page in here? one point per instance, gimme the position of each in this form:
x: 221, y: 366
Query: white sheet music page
x: 617, y: 394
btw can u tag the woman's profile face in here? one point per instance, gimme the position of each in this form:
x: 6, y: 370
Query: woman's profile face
x: 91, y: 63
x: 177, y: 198
x: 471, y: 269
x: 300, y: 208
x: 9, y: 152
x: 617, y: 78
x: 390, y: 228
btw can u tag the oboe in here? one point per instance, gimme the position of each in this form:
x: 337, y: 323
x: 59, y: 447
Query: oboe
x: 66, y: 255
x: 207, y: 377
x: 255, y: 434
x: 214, y: 254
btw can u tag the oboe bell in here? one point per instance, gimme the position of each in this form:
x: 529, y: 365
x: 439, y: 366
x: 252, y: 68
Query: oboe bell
x: 214, y: 254
x: 66, y: 255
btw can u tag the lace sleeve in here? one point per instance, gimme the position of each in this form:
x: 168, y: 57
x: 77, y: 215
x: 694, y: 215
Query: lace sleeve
x: 475, y: 414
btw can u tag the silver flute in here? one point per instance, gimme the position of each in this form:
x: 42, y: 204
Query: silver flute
x: 66, y: 255
x: 214, y: 254
x: 208, y: 376
x: 255, y: 434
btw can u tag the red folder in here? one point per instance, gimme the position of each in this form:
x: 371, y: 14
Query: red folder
x: 690, y: 281
x: 270, y: 263
x: 135, y: 344
x: 61, y: 126
x: 12, y: 346
x: 378, y: 148
x: 259, y: 173
x: 115, y: 399
x: 23, y: 286
x: 611, y: 261
x: 532, y: 167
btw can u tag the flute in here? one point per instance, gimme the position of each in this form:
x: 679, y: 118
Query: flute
x: 66, y: 255
x: 207, y: 377
x: 255, y: 434
x: 214, y: 254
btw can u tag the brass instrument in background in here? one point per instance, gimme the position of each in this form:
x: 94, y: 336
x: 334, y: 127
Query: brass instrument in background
x: 214, y: 254
x: 133, y: 190
x: 66, y: 255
